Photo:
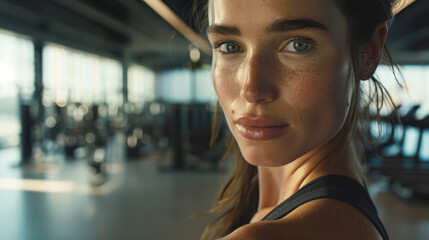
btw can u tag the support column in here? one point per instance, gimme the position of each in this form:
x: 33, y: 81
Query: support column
x: 32, y: 112
x: 38, y: 80
x: 126, y: 62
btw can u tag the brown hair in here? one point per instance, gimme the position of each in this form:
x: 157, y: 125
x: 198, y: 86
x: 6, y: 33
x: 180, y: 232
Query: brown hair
x: 237, y: 200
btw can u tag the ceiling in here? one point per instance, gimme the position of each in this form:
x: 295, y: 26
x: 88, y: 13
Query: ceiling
x: 131, y: 30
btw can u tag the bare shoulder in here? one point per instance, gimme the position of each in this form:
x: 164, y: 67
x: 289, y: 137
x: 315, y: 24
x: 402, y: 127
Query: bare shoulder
x: 320, y: 219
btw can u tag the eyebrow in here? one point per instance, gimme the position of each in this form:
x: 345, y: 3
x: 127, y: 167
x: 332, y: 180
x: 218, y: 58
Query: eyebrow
x: 282, y: 25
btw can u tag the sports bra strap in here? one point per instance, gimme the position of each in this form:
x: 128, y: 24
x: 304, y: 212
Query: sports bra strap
x: 336, y: 187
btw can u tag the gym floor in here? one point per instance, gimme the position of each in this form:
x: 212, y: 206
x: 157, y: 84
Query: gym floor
x: 138, y: 201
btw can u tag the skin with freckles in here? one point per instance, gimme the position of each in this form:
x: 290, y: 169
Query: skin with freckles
x: 288, y: 71
x: 309, y: 91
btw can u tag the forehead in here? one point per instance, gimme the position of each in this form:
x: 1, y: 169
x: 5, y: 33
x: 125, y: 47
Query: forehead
x: 254, y: 13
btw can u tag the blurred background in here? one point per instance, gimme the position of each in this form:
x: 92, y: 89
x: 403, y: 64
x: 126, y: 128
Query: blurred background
x: 106, y: 109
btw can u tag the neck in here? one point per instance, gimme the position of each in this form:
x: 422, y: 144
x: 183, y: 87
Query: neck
x: 276, y: 184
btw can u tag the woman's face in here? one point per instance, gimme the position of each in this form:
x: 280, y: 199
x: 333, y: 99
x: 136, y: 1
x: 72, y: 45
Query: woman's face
x: 282, y: 72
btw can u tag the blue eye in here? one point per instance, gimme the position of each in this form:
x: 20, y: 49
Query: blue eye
x: 229, y: 47
x: 299, y: 45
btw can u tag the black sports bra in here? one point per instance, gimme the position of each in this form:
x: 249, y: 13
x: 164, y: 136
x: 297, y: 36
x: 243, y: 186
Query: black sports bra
x: 336, y: 187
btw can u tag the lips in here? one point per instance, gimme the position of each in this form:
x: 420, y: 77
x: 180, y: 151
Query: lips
x: 260, y: 128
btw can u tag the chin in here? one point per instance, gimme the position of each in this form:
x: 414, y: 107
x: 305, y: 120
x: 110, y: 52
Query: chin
x: 265, y: 156
x: 275, y: 153
x: 271, y: 164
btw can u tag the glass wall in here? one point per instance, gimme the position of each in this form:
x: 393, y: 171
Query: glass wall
x: 413, y: 92
x: 204, y: 86
x: 16, y: 80
x: 185, y: 86
x: 174, y: 86
x: 75, y: 76
x: 415, y: 89
x: 141, y: 84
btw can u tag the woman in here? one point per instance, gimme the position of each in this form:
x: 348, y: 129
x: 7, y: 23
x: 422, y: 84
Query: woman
x: 287, y: 74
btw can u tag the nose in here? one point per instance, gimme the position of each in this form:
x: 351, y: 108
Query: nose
x: 259, y: 76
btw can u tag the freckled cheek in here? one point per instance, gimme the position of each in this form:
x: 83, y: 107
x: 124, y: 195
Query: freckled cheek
x: 315, y: 97
x: 303, y: 90
x: 225, y: 86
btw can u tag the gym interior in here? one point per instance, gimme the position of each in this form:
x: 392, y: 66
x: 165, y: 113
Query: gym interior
x: 106, y: 114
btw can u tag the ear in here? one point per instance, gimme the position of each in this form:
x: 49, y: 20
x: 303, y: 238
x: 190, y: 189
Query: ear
x: 372, y: 52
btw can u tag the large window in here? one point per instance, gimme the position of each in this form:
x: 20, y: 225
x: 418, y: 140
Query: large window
x: 204, y: 90
x: 414, y: 92
x: 415, y: 89
x: 141, y: 84
x: 16, y: 80
x: 74, y: 76
x: 184, y: 86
